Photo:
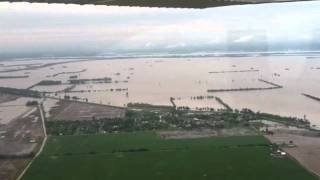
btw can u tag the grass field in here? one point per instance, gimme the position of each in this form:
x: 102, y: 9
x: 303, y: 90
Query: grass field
x: 145, y: 156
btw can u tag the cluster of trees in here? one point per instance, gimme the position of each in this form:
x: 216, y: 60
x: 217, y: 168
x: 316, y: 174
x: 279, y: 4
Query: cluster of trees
x: 145, y: 120
x: 48, y: 83
x: 32, y: 103
x: 145, y: 105
x: 74, y: 98
x: 20, y: 92
x: 202, y: 97
x: 94, y: 80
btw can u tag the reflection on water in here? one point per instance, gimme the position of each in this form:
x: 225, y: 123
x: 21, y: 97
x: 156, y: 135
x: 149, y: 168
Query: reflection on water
x: 154, y: 81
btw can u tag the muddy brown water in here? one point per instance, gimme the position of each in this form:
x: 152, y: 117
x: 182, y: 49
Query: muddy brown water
x: 154, y: 81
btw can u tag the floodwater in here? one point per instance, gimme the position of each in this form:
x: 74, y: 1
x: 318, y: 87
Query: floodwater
x: 14, y: 109
x: 155, y: 80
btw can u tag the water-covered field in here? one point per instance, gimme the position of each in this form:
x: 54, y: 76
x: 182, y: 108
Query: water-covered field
x: 154, y: 81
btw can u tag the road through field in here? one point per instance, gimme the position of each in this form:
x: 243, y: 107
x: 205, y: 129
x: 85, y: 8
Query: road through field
x: 42, y: 145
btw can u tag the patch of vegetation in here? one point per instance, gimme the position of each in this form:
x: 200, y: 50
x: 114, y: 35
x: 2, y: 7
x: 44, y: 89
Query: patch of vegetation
x: 146, y: 156
x: 20, y: 92
x: 145, y: 105
x: 48, y: 83
x: 93, y: 80
x: 32, y: 103
x: 145, y: 120
x: 13, y: 77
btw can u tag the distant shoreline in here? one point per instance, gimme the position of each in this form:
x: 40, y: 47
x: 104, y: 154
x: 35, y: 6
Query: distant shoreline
x: 309, y: 54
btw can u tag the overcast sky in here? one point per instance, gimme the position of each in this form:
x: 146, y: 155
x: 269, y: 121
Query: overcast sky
x: 58, y: 28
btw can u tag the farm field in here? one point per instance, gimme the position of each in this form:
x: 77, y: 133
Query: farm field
x: 147, y: 156
x: 72, y: 111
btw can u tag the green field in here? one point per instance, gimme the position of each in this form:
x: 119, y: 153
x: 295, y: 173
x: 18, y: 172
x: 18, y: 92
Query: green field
x: 144, y: 156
